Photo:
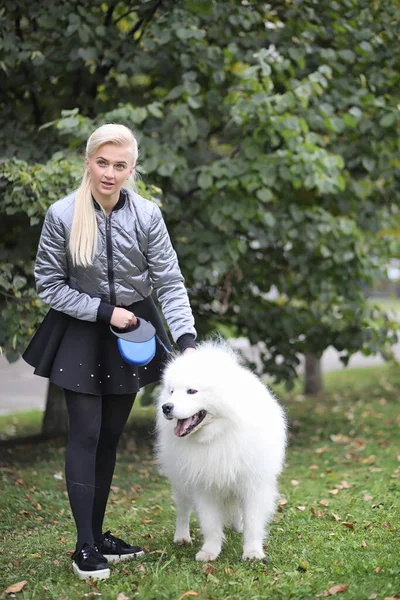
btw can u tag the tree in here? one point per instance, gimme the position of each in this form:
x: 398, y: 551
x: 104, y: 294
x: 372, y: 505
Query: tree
x: 268, y: 132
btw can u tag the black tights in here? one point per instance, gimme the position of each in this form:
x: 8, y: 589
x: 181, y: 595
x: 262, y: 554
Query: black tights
x: 95, y: 426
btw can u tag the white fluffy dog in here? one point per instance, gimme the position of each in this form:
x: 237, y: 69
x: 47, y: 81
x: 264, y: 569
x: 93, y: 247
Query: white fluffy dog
x: 221, y: 439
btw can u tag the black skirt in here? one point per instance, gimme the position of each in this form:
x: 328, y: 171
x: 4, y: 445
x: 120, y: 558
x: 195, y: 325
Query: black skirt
x: 83, y: 356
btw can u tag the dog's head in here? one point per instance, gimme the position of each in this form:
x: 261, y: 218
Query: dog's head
x: 194, y: 394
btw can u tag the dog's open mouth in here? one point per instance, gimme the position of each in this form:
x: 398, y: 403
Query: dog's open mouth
x: 186, y: 426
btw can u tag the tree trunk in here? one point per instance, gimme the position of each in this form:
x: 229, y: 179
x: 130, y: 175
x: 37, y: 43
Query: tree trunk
x: 55, y: 420
x: 313, y: 378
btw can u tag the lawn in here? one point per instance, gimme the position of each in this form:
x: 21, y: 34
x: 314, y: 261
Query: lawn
x: 336, y: 533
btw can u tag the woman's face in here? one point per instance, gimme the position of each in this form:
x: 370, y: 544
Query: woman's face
x: 109, y: 168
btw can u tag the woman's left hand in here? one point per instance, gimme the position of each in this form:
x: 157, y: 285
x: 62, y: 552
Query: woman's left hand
x: 188, y: 350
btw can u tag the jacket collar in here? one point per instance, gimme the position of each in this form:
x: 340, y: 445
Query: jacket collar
x: 120, y: 204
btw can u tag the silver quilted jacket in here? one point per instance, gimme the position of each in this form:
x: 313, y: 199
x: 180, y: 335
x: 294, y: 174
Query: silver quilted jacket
x: 134, y: 257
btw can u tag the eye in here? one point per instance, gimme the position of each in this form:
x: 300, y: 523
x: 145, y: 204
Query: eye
x: 120, y: 167
x: 101, y: 163
x: 171, y: 391
x: 191, y: 391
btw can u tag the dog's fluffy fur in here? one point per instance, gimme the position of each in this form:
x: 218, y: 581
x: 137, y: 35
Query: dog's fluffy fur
x: 221, y: 438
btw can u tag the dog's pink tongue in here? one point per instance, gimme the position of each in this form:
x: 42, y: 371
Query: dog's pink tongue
x: 182, y: 426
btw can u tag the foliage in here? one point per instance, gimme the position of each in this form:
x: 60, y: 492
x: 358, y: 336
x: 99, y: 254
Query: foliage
x: 339, y: 525
x: 270, y: 134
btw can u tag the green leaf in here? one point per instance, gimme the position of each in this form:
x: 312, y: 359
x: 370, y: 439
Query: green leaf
x: 264, y: 194
x: 388, y: 120
x: 205, y: 180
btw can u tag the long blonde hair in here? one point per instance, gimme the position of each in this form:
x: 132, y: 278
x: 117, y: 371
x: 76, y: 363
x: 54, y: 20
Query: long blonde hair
x: 83, y: 237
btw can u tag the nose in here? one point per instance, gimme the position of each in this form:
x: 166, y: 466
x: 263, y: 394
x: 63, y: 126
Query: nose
x: 167, y: 409
x: 109, y: 173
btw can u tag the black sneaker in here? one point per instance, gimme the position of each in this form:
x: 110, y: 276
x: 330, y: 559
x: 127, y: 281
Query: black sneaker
x: 89, y: 562
x: 115, y: 549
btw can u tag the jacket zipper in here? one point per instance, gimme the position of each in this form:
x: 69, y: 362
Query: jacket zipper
x: 110, y: 271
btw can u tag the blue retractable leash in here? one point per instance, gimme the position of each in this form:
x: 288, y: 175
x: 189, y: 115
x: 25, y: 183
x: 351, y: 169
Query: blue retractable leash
x: 137, y: 344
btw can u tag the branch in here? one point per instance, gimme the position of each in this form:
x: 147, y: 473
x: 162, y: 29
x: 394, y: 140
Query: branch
x: 32, y: 94
x: 145, y: 21
x: 109, y: 14
x: 11, y: 297
x: 128, y: 12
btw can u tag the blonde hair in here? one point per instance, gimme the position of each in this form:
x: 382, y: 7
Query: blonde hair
x: 83, y: 237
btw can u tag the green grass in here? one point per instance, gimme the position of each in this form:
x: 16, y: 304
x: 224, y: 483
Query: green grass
x: 29, y: 423
x: 390, y: 304
x: 347, y: 440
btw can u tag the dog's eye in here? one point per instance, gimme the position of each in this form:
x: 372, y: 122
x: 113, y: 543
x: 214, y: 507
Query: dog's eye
x: 191, y: 391
x: 171, y: 391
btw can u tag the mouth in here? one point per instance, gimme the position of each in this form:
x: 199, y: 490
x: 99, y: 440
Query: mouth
x: 186, y: 426
x: 107, y: 185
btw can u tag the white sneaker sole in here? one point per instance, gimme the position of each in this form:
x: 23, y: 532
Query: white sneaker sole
x: 100, y: 574
x: 114, y: 558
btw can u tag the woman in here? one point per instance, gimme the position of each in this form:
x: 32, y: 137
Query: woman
x: 102, y: 251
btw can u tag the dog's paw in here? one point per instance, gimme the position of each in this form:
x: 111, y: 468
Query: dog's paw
x: 183, y: 540
x: 205, y: 556
x: 253, y: 555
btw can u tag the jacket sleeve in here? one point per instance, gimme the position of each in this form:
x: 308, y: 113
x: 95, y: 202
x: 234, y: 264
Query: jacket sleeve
x: 167, y: 279
x: 51, y: 274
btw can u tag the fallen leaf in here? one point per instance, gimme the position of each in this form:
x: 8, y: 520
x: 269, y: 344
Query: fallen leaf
x: 338, y: 589
x: 301, y: 508
x: 189, y: 593
x: 367, y: 497
x: 16, y: 562
x: 313, y: 467
x: 347, y: 524
x: 122, y: 596
x: 294, y: 482
x: 281, y: 503
x: 369, y: 461
x: 340, y: 438
x: 207, y: 568
x: 15, y: 587
x: 345, y: 485
x: 373, y: 595
x: 91, y: 594
x: 141, y: 568
x: 228, y: 570
x: 212, y: 578
x: 324, y: 502
x: 378, y: 569
x: 363, y: 544
x: 38, y: 506
x: 391, y: 598
x: 377, y: 504
x: 115, y: 489
x: 336, y: 517
x: 334, y: 492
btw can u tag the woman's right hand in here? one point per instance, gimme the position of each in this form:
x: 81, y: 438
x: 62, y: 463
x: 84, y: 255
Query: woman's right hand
x: 122, y: 318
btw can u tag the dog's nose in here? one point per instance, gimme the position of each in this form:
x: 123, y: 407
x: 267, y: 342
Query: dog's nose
x: 167, y: 409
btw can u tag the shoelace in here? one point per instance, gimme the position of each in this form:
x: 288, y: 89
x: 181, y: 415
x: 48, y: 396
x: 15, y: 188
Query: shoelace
x: 114, y: 541
x: 87, y: 550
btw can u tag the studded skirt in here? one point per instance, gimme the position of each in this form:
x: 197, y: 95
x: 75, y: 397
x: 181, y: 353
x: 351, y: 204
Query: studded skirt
x: 83, y: 356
